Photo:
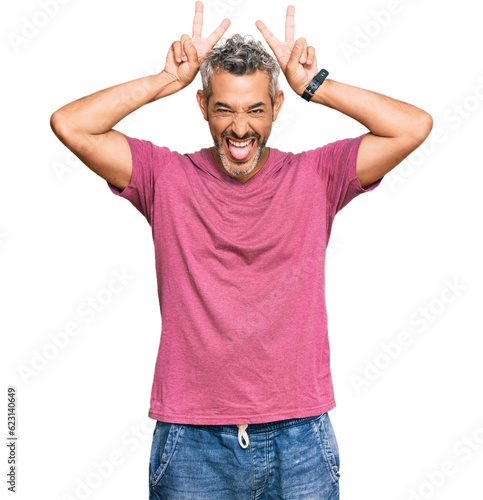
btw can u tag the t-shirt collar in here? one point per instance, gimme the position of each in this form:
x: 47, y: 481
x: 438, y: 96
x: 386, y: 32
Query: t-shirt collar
x: 213, y: 168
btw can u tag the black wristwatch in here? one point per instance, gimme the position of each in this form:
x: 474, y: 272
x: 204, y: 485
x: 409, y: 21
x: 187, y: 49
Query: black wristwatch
x: 316, y: 82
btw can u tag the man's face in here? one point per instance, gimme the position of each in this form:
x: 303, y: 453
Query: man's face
x: 240, y: 116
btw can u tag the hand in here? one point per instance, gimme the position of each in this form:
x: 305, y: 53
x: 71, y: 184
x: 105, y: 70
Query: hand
x: 185, y: 55
x: 298, y: 62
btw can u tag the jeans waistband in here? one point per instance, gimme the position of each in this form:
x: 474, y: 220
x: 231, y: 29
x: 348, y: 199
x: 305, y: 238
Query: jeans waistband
x: 257, y: 428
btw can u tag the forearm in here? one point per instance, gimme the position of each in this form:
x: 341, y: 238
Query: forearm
x: 99, y: 112
x: 382, y: 115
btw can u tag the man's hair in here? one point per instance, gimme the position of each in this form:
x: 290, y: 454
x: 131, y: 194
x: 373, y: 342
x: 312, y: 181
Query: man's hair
x: 239, y: 55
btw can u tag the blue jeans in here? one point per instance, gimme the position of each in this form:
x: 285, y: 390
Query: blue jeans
x: 296, y: 459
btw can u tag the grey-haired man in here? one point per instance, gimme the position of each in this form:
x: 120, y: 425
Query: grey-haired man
x: 242, y: 385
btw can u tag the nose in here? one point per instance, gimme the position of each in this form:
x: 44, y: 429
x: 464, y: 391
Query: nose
x: 240, y: 125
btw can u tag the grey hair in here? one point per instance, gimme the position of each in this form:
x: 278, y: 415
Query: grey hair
x: 239, y: 55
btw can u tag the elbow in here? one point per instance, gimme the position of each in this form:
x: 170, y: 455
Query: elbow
x: 422, y: 128
x: 426, y: 125
x: 56, y: 123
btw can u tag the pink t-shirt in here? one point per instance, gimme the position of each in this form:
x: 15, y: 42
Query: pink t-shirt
x: 240, y: 269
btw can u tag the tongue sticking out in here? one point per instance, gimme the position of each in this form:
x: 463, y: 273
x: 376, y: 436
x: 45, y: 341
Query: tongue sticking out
x: 240, y: 153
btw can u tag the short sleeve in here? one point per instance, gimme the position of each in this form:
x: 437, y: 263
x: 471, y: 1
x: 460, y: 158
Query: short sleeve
x: 148, y: 161
x: 337, y: 165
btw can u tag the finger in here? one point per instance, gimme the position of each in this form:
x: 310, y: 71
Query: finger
x: 290, y: 23
x: 270, y: 38
x: 303, y: 55
x: 177, y: 51
x: 294, y: 59
x: 191, y: 53
x: 183, y: 52
x: 310, y: 56
x: 219, y: 32
x: 198, y: 21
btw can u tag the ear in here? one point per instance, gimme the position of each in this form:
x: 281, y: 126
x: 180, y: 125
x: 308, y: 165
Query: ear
x: 277, y: 104
x: 202, y: 103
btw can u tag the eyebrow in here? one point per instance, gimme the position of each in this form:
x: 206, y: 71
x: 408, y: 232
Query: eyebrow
x: 253, y: 106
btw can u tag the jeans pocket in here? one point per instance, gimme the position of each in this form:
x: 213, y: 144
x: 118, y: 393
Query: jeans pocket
x: 165, y: 439
x: 329, y: 446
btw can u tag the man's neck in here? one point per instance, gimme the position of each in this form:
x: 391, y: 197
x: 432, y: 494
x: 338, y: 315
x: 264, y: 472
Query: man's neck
x: 242, y: 178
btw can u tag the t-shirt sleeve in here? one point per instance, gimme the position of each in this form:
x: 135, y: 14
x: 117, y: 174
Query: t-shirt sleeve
x: 148, y: 161
x: 337, y: 166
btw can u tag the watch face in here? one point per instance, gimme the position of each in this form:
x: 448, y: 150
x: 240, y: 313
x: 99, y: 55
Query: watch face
x: 313, y: 86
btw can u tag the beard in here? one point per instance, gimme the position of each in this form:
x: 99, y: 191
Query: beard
x: 260, y: 145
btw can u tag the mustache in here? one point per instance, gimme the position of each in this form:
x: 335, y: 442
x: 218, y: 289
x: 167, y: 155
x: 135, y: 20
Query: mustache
x: 247, y: 136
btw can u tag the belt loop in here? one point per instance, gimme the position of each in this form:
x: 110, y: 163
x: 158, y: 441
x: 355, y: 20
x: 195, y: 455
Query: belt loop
x: 242, y: 434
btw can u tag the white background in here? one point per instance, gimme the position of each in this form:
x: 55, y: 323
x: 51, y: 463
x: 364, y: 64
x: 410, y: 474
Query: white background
x: 393, y: 251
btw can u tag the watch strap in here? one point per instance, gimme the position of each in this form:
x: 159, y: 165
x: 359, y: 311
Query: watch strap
x: 316, y: 82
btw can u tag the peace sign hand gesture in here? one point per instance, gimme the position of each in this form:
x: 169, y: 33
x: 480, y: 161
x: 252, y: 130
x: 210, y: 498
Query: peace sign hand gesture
x: 185, y: 55
x: 298, y: 62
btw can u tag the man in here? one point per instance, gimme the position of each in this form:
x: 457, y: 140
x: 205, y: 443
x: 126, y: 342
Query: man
x: 242, y: 385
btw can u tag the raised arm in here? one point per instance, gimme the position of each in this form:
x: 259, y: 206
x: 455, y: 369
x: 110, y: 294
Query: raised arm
x: 396, y: 128
x: 85, y: 125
